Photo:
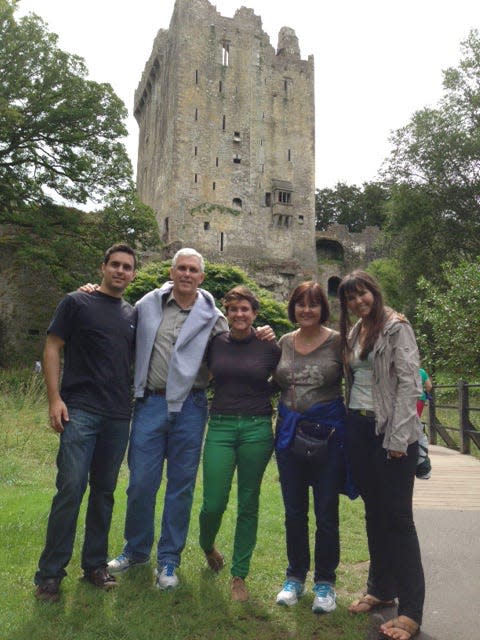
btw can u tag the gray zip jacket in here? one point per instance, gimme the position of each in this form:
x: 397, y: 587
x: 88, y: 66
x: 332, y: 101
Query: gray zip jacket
x: 396, y: 383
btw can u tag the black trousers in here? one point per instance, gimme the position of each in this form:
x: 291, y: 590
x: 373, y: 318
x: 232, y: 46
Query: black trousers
x: 386, y: 487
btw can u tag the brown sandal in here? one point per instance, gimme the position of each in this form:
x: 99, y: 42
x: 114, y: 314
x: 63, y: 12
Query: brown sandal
x: 403, y: 625
x: 368, y: 603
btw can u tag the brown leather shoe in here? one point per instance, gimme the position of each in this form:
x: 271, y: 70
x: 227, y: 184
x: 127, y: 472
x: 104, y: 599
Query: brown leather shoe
x: 215, y: 560
x: 100, y: 578
x: 239, y: 589
x: 48, y: 591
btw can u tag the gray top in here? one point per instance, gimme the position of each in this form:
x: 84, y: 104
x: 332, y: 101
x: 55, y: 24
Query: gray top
x: 316, y: 377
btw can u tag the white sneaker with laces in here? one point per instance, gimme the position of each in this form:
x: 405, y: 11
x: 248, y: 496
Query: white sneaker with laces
x: 325, y: 598
x: 165, y: 577
x: 123, y: 563
x: 291, y: 591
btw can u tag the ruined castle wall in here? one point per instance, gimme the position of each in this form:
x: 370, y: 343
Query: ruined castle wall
x: 225, y: 120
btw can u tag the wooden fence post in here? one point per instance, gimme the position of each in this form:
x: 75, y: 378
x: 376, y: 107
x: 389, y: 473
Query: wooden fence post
x: 463, y: 416
x: 432, y: 431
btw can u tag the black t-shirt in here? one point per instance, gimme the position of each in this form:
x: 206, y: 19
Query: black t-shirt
x: 240, y: 370
x: 99, y: 335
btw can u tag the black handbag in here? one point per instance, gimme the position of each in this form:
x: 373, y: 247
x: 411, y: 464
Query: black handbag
x: 311, y: 437
x: 311, y: 440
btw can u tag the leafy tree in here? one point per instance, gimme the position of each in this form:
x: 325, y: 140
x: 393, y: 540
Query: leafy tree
x: 387, y: 271
x: 219, y: 278
x: 350, y: 205
x: 61, y: 139
x: 448, y: 320
x: 434, y: 210
x: 60, y: 133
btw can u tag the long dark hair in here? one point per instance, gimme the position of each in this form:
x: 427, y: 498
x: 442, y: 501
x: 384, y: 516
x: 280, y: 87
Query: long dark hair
x: 351, y: 283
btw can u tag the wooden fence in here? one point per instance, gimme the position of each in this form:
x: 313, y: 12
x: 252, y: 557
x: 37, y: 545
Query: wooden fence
x: 467, y: 432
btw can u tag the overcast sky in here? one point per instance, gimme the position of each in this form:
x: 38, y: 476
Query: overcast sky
x: 376, y: 61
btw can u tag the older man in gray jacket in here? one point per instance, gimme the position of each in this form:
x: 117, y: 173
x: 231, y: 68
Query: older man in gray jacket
x: 175, y: 324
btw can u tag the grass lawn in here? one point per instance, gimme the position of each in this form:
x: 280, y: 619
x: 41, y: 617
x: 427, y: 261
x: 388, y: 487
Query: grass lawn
x: 199, y: 608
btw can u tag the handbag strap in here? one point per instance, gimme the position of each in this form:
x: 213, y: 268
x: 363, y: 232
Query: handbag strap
x: 292, y: 386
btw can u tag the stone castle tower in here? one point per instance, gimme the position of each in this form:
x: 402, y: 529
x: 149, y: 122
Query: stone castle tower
x: 226, y: 144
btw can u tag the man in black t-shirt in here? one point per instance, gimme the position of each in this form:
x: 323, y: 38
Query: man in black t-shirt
x: 91, y: 412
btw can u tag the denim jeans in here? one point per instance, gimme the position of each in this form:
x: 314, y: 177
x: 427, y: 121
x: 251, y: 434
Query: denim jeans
x: 386, y: 488
x: 244, y: 443
x: 297, y: 475
x: 158, y: 435
x: 91, y: 450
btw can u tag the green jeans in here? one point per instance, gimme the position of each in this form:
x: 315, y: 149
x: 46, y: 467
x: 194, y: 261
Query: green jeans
x: 244, y: 443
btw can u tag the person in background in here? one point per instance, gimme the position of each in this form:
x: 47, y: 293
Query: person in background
x: 239, y: 433
x: 91, y: 412
x: 426, y: 388
x: 424, y: 465
x: 383, y: 428
x: 309, y: 375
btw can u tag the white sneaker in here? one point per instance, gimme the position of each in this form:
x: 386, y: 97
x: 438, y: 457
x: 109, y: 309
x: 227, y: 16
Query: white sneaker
x: 291, y: 591
x: 122, y: 563
x: 325, y: 597
x: 166, y: 578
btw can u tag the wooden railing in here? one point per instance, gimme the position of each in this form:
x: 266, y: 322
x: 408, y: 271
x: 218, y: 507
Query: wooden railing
x: 467, y: 432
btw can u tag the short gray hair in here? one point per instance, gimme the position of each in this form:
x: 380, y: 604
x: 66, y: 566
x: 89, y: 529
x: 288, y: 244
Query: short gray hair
x: 187, y: 252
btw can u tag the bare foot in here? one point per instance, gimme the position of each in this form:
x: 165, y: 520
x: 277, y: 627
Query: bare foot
x: 401, y: 628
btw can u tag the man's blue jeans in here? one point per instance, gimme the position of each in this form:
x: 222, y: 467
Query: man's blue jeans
x: 158, y: 436
x: 91, y: 450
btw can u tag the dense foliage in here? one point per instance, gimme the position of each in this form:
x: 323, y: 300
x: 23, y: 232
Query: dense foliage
x: 61, y: 143
x: 449, y: 318
x: 434, y: 209
x: 219, y: 278
x: 352, y: 206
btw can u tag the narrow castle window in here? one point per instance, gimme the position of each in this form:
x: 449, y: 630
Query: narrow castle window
x: 216, y: 162
x: 196, y: 76
x: 268, y: 199
x: 237, y: 159
x: 288, y: 86
x: 196, y: 150
x: 222, y: 240
x: 289, y: 155
x: 196, y: 114
x: 225, y: 53
x: 224, y: 122
x: 165, y: 226
x: 220, y: 87
x: 196, y: 178
x: 206, y: 226
x: 213, y: 186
